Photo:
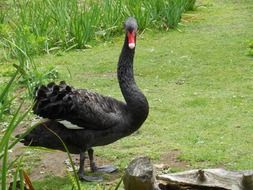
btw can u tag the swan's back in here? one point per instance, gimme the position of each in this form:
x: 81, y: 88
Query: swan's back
x: 80, y: 107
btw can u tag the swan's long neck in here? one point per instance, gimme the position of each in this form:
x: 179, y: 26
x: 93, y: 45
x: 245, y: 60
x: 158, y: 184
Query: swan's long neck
x: 137, y: 103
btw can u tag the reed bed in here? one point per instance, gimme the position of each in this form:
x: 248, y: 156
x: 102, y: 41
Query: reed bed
x: 43, y: 26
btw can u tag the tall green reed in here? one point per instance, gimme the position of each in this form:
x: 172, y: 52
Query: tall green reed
x: 47, y: 25
x: 139, y: 11
x: 2, y: 16
x: 111, y: 17
x: 82, y: 24
x: 18, y: 116
x: 172, y: 12
x: 190, y: 5
x: 3, y: 11
x: 6, y: 98
x: 5, y: 138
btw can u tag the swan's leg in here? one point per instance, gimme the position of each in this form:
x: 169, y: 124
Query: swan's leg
x: 81, y: 171
x: 81, y: 166
x: 94, y: 168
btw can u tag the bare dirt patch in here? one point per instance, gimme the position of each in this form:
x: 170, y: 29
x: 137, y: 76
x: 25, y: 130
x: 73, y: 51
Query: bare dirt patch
x: 171, y: 161
x: 51, y: 162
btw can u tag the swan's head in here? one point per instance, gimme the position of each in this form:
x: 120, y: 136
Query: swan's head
x: 131, y: 29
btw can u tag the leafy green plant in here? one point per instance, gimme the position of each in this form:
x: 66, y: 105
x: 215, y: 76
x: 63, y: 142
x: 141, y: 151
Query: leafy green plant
x: 36, y: 77
x: 250, y: 48
x: 6, y: 143
x: 13, y: 123
x: 190, y: 5
x: 32, y: 44
x: 31, y: 75
x: 5, y: 139
x: 24, y: 66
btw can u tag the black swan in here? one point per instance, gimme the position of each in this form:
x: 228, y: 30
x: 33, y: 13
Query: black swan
x: 84, y: 119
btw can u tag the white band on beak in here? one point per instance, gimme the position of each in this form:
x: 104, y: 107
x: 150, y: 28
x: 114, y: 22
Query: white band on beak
x: 131, y: 45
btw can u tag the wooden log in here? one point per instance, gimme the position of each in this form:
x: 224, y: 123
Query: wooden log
x: 207, y: 179
x: 139, y: 175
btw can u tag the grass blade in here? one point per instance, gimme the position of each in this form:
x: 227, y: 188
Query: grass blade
x: 9, y: 130
x: 120, y: 181
x: 10, y: 165
x: 4, y: 167
x: 13, y: 124
x: 21, y: 177
x: 17, y: 170
x: 14, y: 183
x: 7, y: 87
x: 71, y: 161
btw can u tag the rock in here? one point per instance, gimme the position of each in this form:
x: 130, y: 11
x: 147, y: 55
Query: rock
x: 139, y: 175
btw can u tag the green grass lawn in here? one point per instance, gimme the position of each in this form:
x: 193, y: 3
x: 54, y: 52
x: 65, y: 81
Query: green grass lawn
x: 199, y: 83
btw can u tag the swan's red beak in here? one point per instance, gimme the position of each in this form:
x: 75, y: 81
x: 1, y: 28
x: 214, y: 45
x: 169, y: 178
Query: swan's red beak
x: 131, y: 40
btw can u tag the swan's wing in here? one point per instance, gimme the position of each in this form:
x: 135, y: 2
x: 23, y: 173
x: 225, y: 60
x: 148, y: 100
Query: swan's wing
x: 78, y: 107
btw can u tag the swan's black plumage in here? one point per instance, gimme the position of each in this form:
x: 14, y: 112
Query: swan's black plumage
x: 102, y: 120
x: 78, y: 106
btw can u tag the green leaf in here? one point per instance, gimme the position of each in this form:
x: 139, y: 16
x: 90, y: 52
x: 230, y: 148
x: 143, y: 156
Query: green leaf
x: 21, y: 177
x: 4, y: 167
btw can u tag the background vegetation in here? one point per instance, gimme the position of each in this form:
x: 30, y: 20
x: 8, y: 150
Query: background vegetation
x: 46, y: 25
x: 197, y: 78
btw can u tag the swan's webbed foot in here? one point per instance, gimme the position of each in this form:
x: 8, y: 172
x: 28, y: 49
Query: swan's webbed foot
x: 81, y: 172
x: 103, y: 169
x: 94, y: 168
x: 83, y: 177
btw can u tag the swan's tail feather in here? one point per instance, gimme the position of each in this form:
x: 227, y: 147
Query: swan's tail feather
x: 50, y: 134
x: 40, y: 135
x: 53, y: 100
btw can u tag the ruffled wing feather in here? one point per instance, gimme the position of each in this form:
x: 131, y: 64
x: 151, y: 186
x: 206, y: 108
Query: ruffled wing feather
x: 78, y: 106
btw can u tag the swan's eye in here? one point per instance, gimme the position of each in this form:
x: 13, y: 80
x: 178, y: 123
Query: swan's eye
x: 131, y: 39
